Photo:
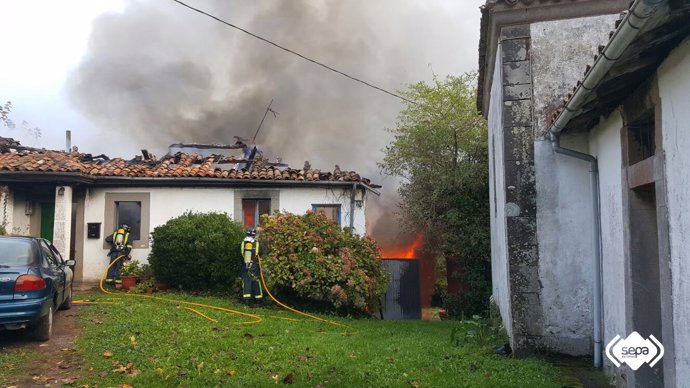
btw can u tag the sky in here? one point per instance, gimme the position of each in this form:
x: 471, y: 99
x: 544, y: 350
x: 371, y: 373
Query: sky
x: 123, y: 75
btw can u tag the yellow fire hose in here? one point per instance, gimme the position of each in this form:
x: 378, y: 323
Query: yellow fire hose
x: 263, y: 282
x: 256, y: 318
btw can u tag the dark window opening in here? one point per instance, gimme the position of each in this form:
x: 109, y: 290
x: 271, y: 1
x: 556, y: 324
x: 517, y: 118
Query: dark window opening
x: 252, y: 210
x: 641, y: 138
x: 332, y: 212
x: 129, y: 213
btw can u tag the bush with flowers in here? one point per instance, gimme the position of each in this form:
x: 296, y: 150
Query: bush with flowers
x: 317, y: 260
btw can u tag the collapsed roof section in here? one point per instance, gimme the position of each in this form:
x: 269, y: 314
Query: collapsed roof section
x: 206, y: 162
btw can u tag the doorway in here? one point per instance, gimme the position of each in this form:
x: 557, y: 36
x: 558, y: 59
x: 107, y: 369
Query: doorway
x: 646, y: 288
x: 47, y: 220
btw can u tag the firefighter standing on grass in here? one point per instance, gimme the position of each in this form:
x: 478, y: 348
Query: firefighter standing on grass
x: 251, y: 286
x: 121, y: 246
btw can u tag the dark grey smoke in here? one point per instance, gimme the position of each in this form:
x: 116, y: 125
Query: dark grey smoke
x: 160, y: 73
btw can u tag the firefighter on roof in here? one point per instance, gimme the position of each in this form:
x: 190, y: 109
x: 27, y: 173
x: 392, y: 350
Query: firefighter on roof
x: 251, y: 286
x: 121, y: 246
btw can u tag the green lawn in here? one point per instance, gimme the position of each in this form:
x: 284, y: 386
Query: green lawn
x: 148, y: 343
x: 11, y: 362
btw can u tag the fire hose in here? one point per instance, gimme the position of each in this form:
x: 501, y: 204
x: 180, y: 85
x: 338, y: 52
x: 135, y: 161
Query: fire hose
x: 255, y: 318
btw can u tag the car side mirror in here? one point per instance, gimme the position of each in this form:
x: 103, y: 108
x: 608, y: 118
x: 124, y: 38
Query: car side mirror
x: 70, y: 263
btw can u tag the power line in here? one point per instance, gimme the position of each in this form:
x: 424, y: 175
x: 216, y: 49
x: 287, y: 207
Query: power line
x: 295, y: 53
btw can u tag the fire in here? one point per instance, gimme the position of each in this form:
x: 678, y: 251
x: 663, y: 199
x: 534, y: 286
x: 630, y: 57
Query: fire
x: 408, y: 252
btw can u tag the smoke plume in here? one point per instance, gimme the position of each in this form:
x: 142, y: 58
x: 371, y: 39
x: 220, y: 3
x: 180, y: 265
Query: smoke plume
x: 158, y: 73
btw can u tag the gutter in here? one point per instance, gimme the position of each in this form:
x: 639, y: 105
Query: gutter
x: 631, y: 26
x: 634, y: 22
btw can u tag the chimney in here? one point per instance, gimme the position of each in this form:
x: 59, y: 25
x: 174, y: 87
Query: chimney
x: 68, y: 139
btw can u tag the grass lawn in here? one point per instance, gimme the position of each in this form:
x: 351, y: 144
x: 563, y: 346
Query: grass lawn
x: 11, y: 361
x: 148, y: 343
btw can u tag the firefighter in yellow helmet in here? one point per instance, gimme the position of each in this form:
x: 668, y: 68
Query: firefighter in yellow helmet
x: 251, y: 285
x: 121, y: 246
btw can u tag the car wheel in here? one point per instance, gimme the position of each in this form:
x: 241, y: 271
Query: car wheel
x: 44, y: 327
x: 67, y: 304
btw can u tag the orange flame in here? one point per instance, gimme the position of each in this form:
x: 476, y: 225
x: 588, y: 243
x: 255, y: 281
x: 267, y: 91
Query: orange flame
x: 409, y: 252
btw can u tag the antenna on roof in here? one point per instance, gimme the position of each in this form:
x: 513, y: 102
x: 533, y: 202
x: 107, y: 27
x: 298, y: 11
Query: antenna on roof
x: 268, y: 109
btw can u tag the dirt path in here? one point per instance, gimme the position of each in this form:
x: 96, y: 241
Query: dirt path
x: 56, y: 361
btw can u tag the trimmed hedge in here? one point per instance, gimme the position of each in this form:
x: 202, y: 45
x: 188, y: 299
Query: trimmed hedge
x: 197, y: 251
x: 317, y: 260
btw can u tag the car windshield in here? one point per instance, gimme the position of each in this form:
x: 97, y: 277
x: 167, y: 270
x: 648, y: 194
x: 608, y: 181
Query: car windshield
x: 15, y: 252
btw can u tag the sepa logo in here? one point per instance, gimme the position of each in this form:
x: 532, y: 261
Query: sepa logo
x: 634, y: 351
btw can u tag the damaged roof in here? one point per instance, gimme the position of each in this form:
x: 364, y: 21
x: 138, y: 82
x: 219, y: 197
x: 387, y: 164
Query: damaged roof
x: 15, y: 158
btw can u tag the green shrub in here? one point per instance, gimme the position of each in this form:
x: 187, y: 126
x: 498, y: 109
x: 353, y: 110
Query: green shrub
x: 317, y: 260
x: 197, y: 251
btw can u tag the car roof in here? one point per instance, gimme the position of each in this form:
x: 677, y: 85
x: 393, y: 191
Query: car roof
x: 30, y: 238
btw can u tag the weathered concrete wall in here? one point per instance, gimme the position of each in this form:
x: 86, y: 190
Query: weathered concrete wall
x: 499, y: 255
x: 674, y: 91
x: 21, y: 223
x: 605, y: 145
x: 560, y: 51
x: 564, y: 222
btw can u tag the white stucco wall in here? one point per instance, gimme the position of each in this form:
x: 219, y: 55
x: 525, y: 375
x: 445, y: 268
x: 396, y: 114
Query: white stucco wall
x: 299, y: 200
x: 560, y: 50
x: 674, y: 91
x: 605, y: 145
x: 497, y: 197
x: 165, y: 203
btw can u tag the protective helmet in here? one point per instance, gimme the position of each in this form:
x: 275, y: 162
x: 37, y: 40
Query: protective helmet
x: 126, y: 228
x: 251, y: 232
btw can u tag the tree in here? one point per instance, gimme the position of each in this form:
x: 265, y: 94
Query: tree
x: 440, y: 150
x: 5, y: 115
x: 6, y: 121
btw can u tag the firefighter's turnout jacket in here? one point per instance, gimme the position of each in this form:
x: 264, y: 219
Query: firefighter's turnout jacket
x: 251, y: 287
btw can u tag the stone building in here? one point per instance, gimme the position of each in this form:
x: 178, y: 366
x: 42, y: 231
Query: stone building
x: 589, y: 196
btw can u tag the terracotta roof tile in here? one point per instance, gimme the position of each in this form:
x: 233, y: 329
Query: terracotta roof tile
x: 178, y: 165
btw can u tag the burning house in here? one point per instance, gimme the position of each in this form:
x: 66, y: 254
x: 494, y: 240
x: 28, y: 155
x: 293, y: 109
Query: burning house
x: 75, y: 199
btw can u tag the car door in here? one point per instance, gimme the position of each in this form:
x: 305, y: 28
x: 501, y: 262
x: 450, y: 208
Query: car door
x: 67, y: 270
x: 51, y: 269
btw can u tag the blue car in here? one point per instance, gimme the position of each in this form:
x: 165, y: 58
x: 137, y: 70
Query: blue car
x: 34, y: 282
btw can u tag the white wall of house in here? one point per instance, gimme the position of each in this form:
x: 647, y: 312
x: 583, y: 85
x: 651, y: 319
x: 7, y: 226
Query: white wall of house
x: 497, y: 195
x: 165, y: 203
x: 560, y: 50
x: 299, y: 200
x: 674, y: 91
x: 605, y: 145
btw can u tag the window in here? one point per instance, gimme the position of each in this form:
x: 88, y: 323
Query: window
x: 133, y: 209
x: 332, y: 212
x: 16, y: 252
x: 48, y: 255
x: 129, y: 213
x: 641, y: 138
x: 253, y: 209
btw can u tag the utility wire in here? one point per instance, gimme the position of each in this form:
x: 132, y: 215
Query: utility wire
x: 294, y: 52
